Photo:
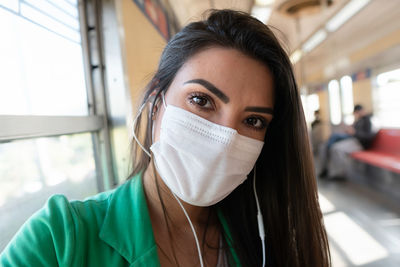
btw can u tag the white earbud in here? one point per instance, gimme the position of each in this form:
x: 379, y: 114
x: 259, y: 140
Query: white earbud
x: 136, y: 118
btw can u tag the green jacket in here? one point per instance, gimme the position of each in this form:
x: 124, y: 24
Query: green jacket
x: 110, y: 229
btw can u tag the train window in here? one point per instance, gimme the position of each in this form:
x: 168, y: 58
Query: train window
x: 313, y: 102
x: 334, y: 102
x: 312, y: 106
x: 346, y: 86
x: 36, y: 39
x: 10, y: 4
x: 387, y: 98
x: 48, y: 142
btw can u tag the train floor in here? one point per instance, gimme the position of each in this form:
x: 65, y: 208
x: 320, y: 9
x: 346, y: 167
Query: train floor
x: 363, y: 226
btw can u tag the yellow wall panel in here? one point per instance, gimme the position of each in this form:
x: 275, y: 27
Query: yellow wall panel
x: 362, y: 94
x: 315, y: 77
x: 143, y: 46
x: 324, y: 113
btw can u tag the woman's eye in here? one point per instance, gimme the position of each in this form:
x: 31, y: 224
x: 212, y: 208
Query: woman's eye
x: 201, y: 101
x: 256, y: 123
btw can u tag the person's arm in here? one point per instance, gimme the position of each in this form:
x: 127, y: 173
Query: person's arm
x: 46, y: 239
x: 349, y: 130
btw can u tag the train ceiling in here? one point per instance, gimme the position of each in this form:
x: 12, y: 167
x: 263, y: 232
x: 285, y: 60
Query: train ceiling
x: 368, y: 39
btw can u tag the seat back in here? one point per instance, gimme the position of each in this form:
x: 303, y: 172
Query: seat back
x: 387, y: 141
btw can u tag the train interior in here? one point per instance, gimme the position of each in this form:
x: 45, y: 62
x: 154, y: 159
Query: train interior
x: 72, y: 73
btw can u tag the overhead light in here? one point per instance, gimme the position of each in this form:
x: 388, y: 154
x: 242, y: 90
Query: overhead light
x: 314, y: 40
x: 264, y: 2
x: 345, y: 14
x: 261, y: 13
x: 296, y: 56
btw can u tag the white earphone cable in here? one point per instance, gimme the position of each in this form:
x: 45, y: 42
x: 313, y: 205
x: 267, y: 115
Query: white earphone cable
x: 134, y: 135
x: 193, y: 230
x: 180, y: 204
x: 259, y: 219
x: 259, y: 215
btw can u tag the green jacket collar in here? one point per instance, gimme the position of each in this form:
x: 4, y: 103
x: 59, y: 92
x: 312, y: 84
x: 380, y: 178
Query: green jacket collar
x: 127, y: 226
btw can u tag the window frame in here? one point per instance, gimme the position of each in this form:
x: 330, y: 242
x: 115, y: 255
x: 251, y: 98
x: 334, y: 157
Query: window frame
x: 16, y: 127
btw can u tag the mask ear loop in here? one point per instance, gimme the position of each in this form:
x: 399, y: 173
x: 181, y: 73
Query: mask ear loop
x: 259, y: 219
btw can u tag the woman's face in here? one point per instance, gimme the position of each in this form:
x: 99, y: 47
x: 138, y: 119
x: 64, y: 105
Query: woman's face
x: 226, y: 87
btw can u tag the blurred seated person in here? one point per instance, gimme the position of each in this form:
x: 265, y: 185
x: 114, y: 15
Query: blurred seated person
x: 359, y: 136
x: 316, y: 132
x: 317, y: 119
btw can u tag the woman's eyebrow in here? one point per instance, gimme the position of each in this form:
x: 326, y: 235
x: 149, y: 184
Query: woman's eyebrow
x: 260, y: 110
x: 224, y: 98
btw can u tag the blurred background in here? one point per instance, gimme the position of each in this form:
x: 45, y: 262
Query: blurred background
x: 71, y: 73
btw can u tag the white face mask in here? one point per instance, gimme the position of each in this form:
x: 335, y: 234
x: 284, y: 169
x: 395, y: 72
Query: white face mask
x: 202, y: 162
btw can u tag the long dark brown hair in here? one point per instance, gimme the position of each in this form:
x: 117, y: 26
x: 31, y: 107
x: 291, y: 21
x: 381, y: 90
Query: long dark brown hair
x: 286, y: 185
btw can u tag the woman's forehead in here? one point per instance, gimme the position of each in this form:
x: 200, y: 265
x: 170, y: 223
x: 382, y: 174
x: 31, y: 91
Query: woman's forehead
x: 229, y: 70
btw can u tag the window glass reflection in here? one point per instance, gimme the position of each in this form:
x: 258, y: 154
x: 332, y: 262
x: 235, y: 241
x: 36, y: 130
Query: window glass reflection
x: 32, y: 170
x: 387, y: 99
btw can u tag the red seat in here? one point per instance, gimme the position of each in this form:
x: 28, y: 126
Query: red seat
x: 384, y: 152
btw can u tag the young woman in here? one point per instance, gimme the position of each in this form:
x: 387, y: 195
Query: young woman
x: 222, y: 169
